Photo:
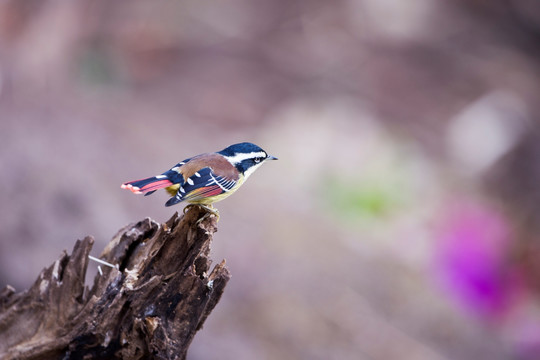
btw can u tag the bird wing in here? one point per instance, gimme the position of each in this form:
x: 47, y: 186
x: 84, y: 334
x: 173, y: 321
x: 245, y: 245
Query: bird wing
x: 202, y: 184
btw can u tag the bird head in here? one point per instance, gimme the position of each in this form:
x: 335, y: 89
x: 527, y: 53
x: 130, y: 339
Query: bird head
x: 246, y: 157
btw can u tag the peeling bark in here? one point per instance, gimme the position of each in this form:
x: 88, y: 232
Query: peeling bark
x: 150, y: 307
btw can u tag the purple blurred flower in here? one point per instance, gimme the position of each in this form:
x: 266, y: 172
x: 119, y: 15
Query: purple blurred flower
x: 472, y: 252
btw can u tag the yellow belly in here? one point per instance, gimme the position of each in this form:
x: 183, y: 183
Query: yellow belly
x: 210, y: 199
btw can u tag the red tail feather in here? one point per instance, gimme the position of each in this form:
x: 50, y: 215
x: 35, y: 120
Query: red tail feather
x: 146, y: 185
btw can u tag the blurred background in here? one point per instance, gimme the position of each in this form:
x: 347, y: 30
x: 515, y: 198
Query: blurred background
x: 402, y: 219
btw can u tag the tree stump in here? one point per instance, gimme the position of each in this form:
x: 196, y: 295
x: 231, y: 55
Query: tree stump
x: 149, y: 307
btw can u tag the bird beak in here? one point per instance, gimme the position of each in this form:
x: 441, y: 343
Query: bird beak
x: 270, y: 157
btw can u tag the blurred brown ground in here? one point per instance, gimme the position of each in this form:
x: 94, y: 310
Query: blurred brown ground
x: 402, y: 219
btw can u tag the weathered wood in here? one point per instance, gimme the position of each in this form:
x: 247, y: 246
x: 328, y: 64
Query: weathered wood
x: 148, y: 308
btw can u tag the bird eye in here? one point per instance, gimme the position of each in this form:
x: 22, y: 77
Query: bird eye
x: 257, y: 160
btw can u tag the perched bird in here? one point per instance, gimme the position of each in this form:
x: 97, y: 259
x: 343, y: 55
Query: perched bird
x: 207, y: 178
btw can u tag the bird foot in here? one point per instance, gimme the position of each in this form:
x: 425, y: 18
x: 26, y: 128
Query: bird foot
x: 210, y: 210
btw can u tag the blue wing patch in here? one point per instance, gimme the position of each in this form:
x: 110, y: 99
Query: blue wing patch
x: 202, y: 184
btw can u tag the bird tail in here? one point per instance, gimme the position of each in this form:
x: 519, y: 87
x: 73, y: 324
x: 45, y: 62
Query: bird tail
x: 147, y: 186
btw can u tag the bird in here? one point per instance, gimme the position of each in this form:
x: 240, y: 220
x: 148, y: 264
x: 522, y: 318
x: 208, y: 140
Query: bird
x: 206, y: 178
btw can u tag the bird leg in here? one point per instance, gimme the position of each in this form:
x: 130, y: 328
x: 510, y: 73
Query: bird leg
x: 210, y: 210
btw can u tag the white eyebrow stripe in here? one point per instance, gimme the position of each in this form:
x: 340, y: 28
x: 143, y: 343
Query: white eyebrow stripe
x: 238, y: 158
